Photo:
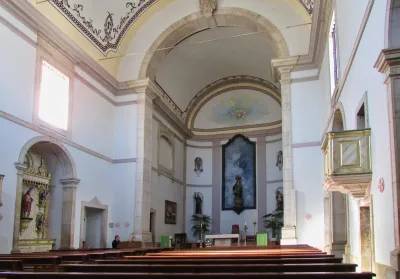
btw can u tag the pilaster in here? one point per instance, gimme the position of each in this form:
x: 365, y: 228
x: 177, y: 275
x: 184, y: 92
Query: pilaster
x: 388, y: 63
x: 68, y: 212
x: 18, y: 199
x: 289, y: 194
x: 146, y: 95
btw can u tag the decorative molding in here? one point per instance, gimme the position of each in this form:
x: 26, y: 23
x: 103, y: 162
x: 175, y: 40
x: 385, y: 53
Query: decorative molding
x: 199, y: 186
x: 108, y: 37
x: 197, y: 147
x: 168, y: 175
x: 207, y: 7
x: 306, y: 144
x: 308, y: 5
x: 62, y: 139
x: 275, y: 181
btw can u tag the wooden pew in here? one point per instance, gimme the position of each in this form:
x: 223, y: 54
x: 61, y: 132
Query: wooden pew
x: 304, y: 275
x: 224, y: 261
x: 227, y: 256
x: 36, y: 263
x: 248, y: 268
x: 11, y: 265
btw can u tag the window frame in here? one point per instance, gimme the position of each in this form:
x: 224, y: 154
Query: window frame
x: 54, y: 62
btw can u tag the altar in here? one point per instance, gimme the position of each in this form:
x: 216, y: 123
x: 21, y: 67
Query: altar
x: 223, y: 239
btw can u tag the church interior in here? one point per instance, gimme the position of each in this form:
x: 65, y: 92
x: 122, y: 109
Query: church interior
x: 206, y: 138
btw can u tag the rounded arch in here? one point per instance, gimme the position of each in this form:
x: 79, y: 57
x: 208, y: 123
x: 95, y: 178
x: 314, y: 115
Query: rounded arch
x: 392, y: 26
x: 227, y: 84
x: 196, y: 22
x: 339, y: 120
x: 61, y: 152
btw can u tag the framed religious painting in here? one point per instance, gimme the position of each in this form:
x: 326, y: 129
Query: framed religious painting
x: 170, y: 212
x: 239, y: 174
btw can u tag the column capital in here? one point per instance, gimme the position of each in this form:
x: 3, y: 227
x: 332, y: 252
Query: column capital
x: 282, y: 67
x: 388, y: 63
x: 69, y: 182
x: 146, y: 87
x: 21, y: 167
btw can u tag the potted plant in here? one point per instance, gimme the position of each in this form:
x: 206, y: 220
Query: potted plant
x: 201, y: 225
x: 273, y: 222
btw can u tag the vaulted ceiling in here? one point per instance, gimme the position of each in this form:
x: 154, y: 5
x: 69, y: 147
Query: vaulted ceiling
x: 109, y: 28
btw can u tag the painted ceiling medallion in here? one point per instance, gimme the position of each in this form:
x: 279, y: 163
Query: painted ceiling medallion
x: 308, y: 5
x: 106, y: 35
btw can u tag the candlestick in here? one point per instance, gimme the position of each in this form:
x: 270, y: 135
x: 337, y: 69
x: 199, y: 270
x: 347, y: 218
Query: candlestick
x: 245, y: 234
x: 254, y: 224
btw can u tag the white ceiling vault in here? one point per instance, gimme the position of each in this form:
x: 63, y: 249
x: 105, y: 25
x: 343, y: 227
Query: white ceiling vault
x: 105, y: 23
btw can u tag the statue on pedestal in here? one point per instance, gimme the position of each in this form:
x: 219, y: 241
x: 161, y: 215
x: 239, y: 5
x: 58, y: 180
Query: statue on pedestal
x: 27, y: 200
x: 279, y: 200
x: 198, y: 197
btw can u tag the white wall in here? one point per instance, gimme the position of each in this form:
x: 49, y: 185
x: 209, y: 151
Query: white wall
x: 363, y: 77
x: 96, y: 126
x: 163, y: 189
x: 204, y: 178
x: 125, y: 134
x: 349, y: 16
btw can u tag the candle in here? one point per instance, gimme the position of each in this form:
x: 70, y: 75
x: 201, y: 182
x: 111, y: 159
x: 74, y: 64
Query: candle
x: 245, y: 223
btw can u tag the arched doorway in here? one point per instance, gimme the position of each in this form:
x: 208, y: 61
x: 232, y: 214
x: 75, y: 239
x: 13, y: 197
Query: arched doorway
x: 336, y: 206
x: 45, y: 202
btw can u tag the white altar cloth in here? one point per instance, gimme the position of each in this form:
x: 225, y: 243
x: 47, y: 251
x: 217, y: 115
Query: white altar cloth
x: 223, y: 239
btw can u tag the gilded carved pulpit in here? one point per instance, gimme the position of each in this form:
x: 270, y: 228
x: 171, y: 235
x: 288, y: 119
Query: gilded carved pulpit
x: 35, y: 202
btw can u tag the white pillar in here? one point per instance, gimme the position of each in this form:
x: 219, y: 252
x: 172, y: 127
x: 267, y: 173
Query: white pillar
x: 289, y: 194
x: 143, y: 160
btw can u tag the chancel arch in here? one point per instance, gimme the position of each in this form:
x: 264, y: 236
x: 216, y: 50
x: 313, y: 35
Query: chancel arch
x: 194, y: 23
x: 45, y: 204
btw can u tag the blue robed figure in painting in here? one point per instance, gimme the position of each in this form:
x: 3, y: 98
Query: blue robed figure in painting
x: 238, y: 187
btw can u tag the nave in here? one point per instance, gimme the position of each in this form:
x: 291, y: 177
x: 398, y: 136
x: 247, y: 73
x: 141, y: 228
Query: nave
x: 296, y: 261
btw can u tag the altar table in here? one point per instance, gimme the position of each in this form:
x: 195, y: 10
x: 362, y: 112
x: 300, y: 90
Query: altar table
x: 223, y: 239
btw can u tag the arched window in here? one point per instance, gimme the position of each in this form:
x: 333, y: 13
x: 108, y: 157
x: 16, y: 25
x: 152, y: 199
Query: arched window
x: 333, y: 54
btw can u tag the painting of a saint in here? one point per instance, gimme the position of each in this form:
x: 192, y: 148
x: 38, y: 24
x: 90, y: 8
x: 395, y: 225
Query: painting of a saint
x: 279, y: 200
x: 239, y: 174
x: 27, y: 200
x: 170, y: 212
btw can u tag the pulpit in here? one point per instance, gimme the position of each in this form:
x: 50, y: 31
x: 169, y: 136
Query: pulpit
x: 180, y: 240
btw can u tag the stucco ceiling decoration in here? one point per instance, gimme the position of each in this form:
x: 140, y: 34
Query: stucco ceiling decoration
x: 104, y: 29
x: 308, y: 5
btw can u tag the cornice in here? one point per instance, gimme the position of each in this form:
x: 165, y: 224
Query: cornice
x: 322, y: 13
x: 39, y: 24
x: 388, y: 58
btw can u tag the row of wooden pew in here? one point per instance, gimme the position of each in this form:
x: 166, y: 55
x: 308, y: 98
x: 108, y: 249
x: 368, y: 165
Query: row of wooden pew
x: 294, y: 262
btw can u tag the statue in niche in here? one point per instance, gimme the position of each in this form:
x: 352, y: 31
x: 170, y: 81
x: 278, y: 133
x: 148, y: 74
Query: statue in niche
x: 198, y: 166
x: 198, y: 197
x: 40, y: 223
x: 27, y: 200
x: 238, y: 195
x: 279, y: 200
x: 43, y: 194
x: 279, y: 160
x: 207, y: 7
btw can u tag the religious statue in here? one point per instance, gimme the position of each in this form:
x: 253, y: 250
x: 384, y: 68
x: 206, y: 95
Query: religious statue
x: 207, y: 7
x: 279, y: 200
x: 198, y: 197
x: 198, y: 166
x: 27, y: 200
x: 42, y: 197
x: 279, y: 160
x: 40, y: 223
x: 238, y: 195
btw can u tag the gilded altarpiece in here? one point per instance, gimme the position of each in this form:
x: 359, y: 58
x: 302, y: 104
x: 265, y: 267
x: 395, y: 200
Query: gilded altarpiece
x: 35, y: 202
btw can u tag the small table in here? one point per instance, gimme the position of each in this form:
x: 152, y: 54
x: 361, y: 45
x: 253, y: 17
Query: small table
x: 223, y: 239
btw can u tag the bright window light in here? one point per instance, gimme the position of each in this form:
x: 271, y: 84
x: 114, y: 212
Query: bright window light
x: 54, y: 97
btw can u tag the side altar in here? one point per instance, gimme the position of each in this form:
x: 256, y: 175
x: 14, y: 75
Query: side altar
x: 35, y: 203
